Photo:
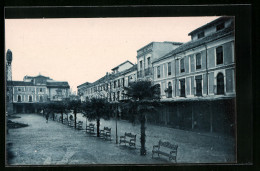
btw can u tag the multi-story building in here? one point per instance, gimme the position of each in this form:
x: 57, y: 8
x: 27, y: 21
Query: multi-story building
x: 82, y: 90
x: 111, y: 86
x: 149, y: 53
x: 204, y: 66
x: 34, y: 90
x: 196, y: 78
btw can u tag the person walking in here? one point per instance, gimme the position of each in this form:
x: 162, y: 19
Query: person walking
x: 47, y: 117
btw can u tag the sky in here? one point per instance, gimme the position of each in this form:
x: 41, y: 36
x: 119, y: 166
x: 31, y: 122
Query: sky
x: 84, y: 49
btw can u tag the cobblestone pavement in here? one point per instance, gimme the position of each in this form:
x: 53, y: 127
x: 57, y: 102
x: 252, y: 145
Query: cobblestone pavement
x: 54, y: 143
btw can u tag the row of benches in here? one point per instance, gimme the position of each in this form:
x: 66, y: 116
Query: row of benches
x: 162, y: 148
x: 103, y: 133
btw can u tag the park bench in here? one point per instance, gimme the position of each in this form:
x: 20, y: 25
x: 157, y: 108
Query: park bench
x: 128, y: 138
x: 71, y: 123
x: 79, y: 125
x: 166, y: 149
x: 65, y: 121
x: 90, y: 128
x: 105, y: 133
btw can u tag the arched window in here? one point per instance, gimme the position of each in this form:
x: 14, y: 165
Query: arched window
x: 19, y: 98
x: 30, y: 98
x: 220, y: 83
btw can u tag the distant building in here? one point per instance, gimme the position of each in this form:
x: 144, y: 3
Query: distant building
x: 111, y: 86
x: 149, y: 53
x: 37, y: 89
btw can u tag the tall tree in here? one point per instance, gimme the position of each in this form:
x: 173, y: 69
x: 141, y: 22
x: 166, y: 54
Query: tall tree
x: 96, y: 109
x: 76, y: 106
x: 143, y: 97
x: 61, y: 107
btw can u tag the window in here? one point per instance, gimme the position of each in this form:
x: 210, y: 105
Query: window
x: 201, y: 34
x: 198, y: 61
x: 220, y: 26
x: 123, y: 81
x: 182, y: 65
x: 182, y: 86
x: 198, y: 85
x: 19, y: 89
x: 219, y: 53
x: 118, y: 95
x: 148, y: 61
x: 30, y: 98
x: 40, y: 89
x: 169, y: 68
x: 141, y: 65
x: 114, y: 96
x: 41, y: 99
x: 158, y: 72
x: 114, y: 84
x: 19, y: 98
x: 220, y: 83
x: 118, y: 81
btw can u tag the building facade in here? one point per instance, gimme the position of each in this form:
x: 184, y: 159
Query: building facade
x: 196, y: 78
x: 149, y: 53
x: 202, y: 67
x: 31, y: 91
x: 111, y: 86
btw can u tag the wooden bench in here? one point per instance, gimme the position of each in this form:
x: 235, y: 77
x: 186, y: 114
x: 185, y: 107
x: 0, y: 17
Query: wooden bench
x: 65, y: 121
x: 79, y: 125
x: 71, y: 123
x: 128, y: 138
x: 105, y: 133
x: 90, y: 128
x: 166, y: 149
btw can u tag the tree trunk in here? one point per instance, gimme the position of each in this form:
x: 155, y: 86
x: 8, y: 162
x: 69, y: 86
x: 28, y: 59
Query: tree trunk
x: 75, y: 119
x: 142, y: 139
x: 62, y: 117
x: 98, y: 124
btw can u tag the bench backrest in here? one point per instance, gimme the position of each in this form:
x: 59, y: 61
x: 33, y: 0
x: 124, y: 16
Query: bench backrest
x: 130, y: 135
x: 107, y: 129
x: 168, y: 145
x: 91, y: 125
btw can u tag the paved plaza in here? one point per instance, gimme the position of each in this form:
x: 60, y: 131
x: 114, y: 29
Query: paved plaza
x: 54, y: 143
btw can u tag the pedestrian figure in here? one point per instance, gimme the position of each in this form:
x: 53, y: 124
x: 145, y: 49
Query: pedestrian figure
x: 47, y: 117
x: 71, y: 117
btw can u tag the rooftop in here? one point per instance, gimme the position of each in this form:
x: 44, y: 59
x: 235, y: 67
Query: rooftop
x: 170, y: 42
x: 209, y: 24
x: 19, y: 83
x: 86, y: 83
x: 192, y: 44
x: 127, y: 61
x: 64, y: 84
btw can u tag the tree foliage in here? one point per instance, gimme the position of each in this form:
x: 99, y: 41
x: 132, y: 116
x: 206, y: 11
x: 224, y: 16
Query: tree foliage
x: 143, y: 98
x: 95, y: 109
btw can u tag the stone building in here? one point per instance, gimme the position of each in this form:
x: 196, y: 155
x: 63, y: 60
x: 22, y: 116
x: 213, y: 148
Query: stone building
x: 35, y: 90
x: 202, y: 67
x: 196, y: 78
x: 111, y: 86
x: 149, y: 53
